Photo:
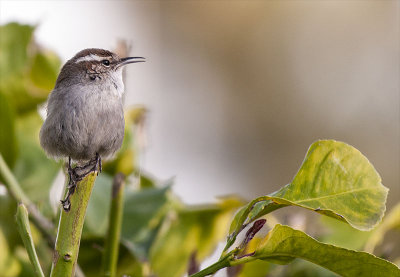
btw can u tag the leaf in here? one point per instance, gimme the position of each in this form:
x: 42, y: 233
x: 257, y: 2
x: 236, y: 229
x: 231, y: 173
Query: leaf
x: 189, y: 230
x: 27, y: 73
x: 43, y: 72
x: 284, y: 243
x: 90, y: 254
x: 34, y: 171
x: 8, y: 144
x: 335, y: 179
x: 390, y: 221
x: 143, y: 213
x: 14, y: 42
x: 9, y: 265
x: 98, y: 209
x: 255, y: 268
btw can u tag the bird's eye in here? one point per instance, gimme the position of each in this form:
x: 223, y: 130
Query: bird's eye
x: 106, y: 62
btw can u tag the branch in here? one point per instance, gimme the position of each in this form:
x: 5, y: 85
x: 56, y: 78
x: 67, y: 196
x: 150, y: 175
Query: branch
x: 70, y: 230
x: 25, y: 232
x: 110, y: 257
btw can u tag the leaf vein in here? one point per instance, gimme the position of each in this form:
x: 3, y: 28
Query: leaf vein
x: 336, y: 194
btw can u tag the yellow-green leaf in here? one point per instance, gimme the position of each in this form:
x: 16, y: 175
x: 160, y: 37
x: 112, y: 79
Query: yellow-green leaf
x: 337, y: 180
x: 284, y: 243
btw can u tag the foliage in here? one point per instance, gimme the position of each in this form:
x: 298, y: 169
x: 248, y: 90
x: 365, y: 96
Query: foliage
x: 160, y: 234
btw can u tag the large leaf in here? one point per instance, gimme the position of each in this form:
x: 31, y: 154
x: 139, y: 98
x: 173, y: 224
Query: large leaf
x: 282, y: 244
x: 335, y: 179
x: 189, y: 231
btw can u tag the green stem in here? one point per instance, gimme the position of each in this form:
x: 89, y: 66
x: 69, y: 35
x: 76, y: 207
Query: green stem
x: 11, y: 183
x: 25, y: 232
x: 225, y: 262
x: 70, y: 230
x: 44, y: 225
x: 110, y: 257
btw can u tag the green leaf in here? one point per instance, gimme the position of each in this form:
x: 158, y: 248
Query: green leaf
x: 43, y: 72
x: 255, y: 268
x: 283, y: 244
x: 8, y: 144
x: 27, y: 73
x: 143, y: 213
x: 90, y: 253
x: 9, y: 265
x: 335, y: 179
x: 33, y: 169
x: 189, y: 231
x: 14, y: 42
x: 96, y: 220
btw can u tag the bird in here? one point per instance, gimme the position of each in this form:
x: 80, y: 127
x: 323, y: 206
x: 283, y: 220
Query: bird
x: 85, y: 118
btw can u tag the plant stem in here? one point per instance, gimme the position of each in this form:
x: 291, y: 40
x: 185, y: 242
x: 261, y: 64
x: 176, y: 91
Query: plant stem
x: 25, y: 232
x: 225, y: 262
x: 11, y: 183
x: 70, y: 230
x: 44, y: 225
x: 110, y: 257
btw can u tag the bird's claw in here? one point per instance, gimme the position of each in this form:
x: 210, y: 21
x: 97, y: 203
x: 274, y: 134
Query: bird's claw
x: 76, y: 175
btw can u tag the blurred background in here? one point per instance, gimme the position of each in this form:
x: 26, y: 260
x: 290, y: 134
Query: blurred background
x: 237, y: 90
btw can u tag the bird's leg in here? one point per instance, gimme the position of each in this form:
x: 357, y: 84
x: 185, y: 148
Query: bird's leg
x: 66, y: 203
x: 98, y: 166
x: 94, y: 165
x: 76, y: 174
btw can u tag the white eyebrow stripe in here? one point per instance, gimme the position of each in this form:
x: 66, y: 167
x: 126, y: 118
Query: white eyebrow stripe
x: 89, y: 58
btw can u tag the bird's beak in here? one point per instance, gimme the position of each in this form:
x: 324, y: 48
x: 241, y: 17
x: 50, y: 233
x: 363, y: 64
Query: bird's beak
x: 128, y: 60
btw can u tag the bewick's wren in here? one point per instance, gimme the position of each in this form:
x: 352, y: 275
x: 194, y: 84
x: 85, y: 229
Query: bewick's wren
x: 85, y: 119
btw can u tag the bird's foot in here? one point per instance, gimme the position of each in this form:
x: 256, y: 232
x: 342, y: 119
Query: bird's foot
x: 94, y: 165
x: 77, y: 174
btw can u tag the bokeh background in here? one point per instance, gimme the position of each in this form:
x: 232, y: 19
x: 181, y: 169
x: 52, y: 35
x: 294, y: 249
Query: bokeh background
x: 237, y: 90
